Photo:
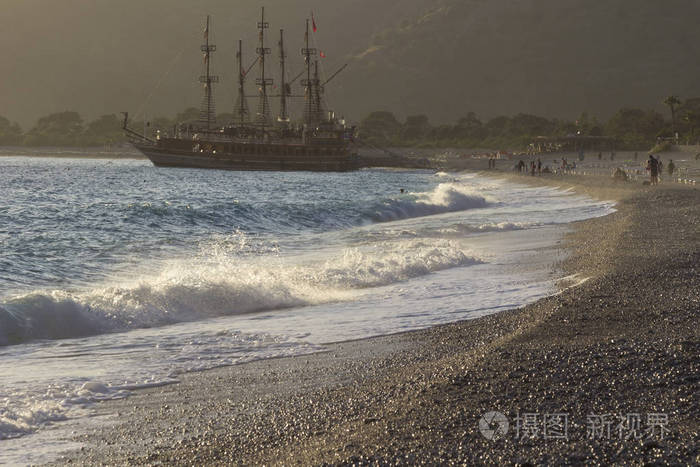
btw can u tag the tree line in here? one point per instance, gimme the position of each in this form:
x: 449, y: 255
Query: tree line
x: 63, y: 129
x: 633, y: 128
x: 68, y: 129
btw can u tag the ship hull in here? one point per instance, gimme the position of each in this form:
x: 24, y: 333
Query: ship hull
x: 309, y: 159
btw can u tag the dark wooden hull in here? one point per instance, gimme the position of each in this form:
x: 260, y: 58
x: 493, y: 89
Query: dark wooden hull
x: 253, y: 157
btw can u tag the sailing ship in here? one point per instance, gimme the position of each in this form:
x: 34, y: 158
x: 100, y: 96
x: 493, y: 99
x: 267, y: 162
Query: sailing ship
x: 319, y: 142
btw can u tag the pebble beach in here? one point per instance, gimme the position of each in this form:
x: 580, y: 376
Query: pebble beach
x: 603, y: 372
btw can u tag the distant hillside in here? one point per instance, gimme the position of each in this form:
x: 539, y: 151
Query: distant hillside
x: 547, y: 57
x: 443, y: 58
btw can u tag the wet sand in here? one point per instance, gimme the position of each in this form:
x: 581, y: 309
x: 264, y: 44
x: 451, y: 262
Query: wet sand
x: 625, y: 341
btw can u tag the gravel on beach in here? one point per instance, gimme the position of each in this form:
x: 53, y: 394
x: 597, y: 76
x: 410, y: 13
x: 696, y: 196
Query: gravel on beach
x: 603, y: 372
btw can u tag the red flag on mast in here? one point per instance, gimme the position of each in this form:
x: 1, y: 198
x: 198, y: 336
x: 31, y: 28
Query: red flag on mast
x: 313, y: 21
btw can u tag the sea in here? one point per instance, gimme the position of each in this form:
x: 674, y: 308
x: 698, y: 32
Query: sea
x: 116, y: 275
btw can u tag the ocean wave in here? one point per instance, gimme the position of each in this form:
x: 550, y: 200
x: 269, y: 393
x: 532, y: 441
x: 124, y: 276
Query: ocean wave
x: 460, y: 229
x: 446, y: 197
x: 219, y: 286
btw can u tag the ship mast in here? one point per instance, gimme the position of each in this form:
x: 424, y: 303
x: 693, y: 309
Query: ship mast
x: 317, y: 91
x: 284, y: 115
x: 207, y: 114
x: 262, y: 82
x: 242, y: 103
x: 308, y: 83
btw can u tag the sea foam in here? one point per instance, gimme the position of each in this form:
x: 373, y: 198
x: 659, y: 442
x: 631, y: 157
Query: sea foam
x: 446, y: 197
x: 221, y: 285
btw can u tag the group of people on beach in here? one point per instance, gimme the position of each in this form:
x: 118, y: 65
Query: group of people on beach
x: 655, y: 166
x: 537, y: 168
x: 534, y: 167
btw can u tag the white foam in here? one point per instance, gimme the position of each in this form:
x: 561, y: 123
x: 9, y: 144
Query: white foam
x: 487, y: 227
x: 221, y: 285
x: 137, y: 360
x: 25, y: 417
x: 446, y: 197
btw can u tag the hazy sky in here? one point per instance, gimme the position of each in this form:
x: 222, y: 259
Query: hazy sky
x: 439, y: 57
x: 104, y: 56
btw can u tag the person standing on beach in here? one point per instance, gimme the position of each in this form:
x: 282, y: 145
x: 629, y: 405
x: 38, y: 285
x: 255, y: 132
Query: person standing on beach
x: 653, y: 168
x: 671, y: 168
x: 539, y: 166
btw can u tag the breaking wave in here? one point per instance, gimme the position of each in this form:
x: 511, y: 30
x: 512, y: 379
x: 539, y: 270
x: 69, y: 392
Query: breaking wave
x: 219, y: 286
x: 447, y: 197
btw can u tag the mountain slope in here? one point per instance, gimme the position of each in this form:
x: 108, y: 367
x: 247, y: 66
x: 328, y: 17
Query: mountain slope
x: 443, y: 58
x: 549, y: 57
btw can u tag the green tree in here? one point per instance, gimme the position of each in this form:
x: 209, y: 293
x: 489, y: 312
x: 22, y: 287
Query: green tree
x: 58, y: 129
x: 526, y: 125
x: 583, y: 124
x: 672, y: 102
x: 691, y: 119
x: 564, y: 128
x: 415, y: 128
x: 470, y: 128
x: 692, y: 105
x: 635, y: 128
x: 380, y: 127
x: 441, y: 134
x: 10, y: 133
x: 497, y: 126
x: 106, y: 129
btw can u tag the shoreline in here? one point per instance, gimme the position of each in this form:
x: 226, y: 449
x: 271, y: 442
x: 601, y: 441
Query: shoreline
x: 97, y: 152
x: 419, y: 395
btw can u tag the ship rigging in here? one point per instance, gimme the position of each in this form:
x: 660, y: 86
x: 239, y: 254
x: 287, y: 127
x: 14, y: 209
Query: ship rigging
x: 319, y: 141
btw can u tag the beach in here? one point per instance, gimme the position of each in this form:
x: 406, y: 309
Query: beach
x: 620, y: 339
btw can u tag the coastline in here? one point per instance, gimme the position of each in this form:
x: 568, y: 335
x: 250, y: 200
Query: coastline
x: 98, y: 152
x: 624, y: 341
